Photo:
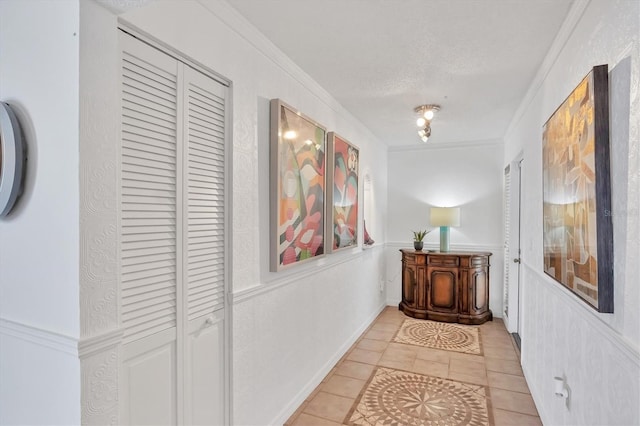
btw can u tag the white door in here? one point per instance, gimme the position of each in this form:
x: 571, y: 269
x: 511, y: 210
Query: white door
x: 172, y: 240
x: 517, y: 260
x: 204, y: 248
x: 512, y: 203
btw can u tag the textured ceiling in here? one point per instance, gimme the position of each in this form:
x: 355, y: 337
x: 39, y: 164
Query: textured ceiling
x: 382, y: 58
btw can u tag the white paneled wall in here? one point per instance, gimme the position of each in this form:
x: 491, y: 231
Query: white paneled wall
x: 468, y: 175
x: 598, y: 354
x: 305, y: 317
x: 39, y: 251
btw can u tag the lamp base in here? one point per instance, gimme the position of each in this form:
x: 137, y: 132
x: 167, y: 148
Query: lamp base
x: 444, y: 239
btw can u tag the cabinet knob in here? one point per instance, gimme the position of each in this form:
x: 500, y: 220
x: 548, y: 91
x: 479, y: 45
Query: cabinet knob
x: 516, y: 260
x: 209, y: 321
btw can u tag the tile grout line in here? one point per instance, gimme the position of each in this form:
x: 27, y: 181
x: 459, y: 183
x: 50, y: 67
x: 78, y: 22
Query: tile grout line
x: 494, y: 332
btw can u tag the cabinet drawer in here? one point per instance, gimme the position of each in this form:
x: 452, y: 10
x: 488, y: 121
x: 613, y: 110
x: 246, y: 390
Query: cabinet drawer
x: 409, y: 258
x: 413, y: 259
x: 444, y: 260
x: 479, y: 261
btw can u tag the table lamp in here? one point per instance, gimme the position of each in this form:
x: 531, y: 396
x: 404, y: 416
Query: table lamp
x: 444, y: 217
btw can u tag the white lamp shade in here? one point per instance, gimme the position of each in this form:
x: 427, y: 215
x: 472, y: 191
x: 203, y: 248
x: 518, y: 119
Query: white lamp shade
x: 445, y: 216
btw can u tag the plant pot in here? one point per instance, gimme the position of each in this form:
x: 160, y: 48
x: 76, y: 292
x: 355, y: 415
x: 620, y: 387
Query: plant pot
x: 417, y: 245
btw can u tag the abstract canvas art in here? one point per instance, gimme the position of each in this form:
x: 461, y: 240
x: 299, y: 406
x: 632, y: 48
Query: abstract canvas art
x: 577, y: 227
x: 298, y: 146
x: 342, y: 194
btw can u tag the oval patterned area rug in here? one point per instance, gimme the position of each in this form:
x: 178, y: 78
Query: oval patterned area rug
x: 395, y: 397
x: 440, y: 335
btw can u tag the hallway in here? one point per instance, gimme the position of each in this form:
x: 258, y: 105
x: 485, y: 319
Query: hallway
x: 493, y: 379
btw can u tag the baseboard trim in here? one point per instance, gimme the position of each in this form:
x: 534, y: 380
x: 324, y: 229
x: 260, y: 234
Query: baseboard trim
x: 39, y: 336
x: 393, y: 302
x: 534, y: 392
x: 326, y: 368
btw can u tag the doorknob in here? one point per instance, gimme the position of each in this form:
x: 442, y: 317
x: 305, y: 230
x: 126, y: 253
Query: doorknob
x: 516, y: 260
x: 209, y: 321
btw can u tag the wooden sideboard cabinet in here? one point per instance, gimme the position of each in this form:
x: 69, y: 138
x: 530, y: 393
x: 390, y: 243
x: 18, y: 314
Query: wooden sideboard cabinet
x: 449, y: 287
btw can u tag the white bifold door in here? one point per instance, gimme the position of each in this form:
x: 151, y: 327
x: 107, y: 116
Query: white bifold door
x: 172, y: 240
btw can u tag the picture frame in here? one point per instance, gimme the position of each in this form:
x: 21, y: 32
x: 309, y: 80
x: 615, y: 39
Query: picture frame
x: 297, y: 193
x: 577, y: 219
x: 343, y: 159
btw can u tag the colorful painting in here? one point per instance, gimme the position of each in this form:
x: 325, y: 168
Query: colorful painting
x: 342, y: 196
x: 298, y: 148
x: 577, y: 227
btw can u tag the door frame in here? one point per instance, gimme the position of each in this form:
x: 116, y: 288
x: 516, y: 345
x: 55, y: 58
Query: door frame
x: 514, y: 303
x: 147, y: 38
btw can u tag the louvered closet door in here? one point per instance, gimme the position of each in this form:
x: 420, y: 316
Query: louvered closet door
x: 172, y: 232
x: 506, y: 214
x: 149, y: 229
x: 204, y: 273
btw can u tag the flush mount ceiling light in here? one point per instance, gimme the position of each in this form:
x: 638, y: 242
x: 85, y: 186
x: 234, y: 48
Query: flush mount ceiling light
x: 425, y: 115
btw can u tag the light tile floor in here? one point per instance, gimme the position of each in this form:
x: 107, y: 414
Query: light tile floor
x: 498, y: 368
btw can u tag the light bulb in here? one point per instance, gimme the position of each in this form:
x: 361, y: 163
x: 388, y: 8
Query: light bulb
x: 424, y: 138
x: 308, y: 142
x: 290, y: 134
x: 428, y: 114
x: 421, y: 133
x: 421, y: 122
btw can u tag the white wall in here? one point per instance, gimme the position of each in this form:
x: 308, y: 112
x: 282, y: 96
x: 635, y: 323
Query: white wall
x: 39, y: 315
x: 100, y: 118
x: 597, y: 353
x: 468, y: 175
x: 289, y: 328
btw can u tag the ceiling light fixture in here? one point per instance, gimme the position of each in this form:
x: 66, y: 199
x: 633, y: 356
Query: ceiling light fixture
x: 426, y: 114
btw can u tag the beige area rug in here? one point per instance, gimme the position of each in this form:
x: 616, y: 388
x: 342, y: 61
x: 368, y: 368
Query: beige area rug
x: 394, y: 397
x: 440, y: 335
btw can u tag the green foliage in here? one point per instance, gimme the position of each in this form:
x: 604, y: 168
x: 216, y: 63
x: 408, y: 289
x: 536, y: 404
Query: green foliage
x: 419, y: 235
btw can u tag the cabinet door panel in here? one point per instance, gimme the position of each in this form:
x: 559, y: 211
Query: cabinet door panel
x: 444, y: 286
x: 479, y: 290
x: 420, y: 289
x: 409, y: 284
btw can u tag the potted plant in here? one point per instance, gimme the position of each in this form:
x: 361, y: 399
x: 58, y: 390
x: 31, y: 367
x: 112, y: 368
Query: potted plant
x: 418, y: 236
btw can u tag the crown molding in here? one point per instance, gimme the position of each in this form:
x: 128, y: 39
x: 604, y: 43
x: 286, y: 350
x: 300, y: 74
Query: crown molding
x: 419, y: 146
x: 239, y: 24
x: 122, y: 6
x: 566, y: 30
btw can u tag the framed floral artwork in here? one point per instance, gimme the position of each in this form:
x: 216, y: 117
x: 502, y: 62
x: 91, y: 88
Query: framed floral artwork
x: 577, y: 226
x: 297, y: 198
x: 342, y: 193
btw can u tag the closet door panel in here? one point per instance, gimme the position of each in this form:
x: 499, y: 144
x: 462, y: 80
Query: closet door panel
x: 151, y: 392
x: 149, y: 229
x: 148, y: 223
x: 205, y: 374
x: 173, y: 214
x: 204, y: 247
